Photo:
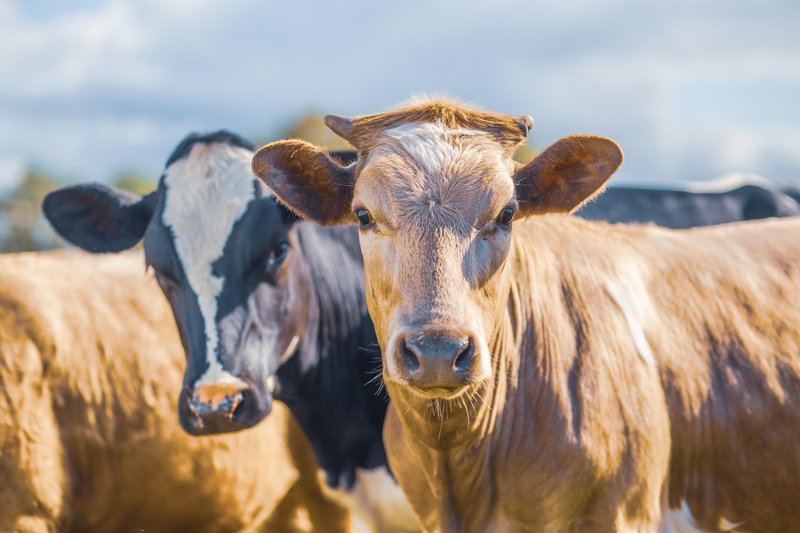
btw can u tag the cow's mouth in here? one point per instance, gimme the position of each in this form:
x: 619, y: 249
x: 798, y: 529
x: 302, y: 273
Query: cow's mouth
x: 241, y: 410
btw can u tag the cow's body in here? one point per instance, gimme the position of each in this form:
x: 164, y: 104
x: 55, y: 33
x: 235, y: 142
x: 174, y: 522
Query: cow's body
x: 793, y: 191
x: 90, y: 365
x: 693, y: 204
x: 330, y: 385
x: 667, y: 357
x: 554, y: 374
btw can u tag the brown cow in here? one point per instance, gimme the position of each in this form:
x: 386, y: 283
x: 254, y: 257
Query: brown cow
x: 90, y: 367
x: 562, y: 375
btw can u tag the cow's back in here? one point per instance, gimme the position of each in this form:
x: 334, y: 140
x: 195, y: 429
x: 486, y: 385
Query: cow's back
x: 715, y: 311
x: 90, y: 368
x: 674, y: 208
x: 734, y: 392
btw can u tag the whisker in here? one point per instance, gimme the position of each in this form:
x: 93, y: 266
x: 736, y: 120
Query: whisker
x: 441, y: 425
x: 463, y: 402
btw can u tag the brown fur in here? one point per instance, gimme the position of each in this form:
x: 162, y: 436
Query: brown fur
x: 90, y: 368
x: 558, y: 180
x: 632, y: 368
x: 365, y: 132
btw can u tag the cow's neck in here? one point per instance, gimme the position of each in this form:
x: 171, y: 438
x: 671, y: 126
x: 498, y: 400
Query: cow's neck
x: 533, y: 339
x: 458, y: 447
x: 336, y: 357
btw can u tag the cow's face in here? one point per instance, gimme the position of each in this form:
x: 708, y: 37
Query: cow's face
x: 223, y: 254
x: 436, y: 193
x: 435, y: 207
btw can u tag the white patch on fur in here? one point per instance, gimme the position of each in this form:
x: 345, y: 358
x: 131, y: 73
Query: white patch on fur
x: 632, y: 300
x: 290, y: 348
x: 679, y: 521
x: 727, y: 182
x: 376, y: 503
x: 207, y: 193
x: 682, y: 521
x: 727, y: 525
x: 428, y: 143
x: 722, y: 184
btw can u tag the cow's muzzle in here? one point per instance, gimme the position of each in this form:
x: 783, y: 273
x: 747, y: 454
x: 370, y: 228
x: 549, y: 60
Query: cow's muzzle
x: 211, y: 408
x: 437, y: 363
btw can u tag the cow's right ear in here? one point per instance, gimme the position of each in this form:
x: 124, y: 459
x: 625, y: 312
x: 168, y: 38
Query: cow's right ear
x: 97, y: 218
x: 307, y: 180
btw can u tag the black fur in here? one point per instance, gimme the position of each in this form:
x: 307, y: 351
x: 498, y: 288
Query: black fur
x: 338, y: 401
x: 221, y: 136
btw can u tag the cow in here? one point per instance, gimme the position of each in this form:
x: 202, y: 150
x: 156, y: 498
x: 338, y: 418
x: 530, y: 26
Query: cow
x: 793, y: 191
x: 548, y: 373
x: 89, y: 441
x: 266, y: 305
x: 729, y: 199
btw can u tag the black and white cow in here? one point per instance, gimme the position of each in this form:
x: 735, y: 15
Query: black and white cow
x: 266, y: 305
x: 793, y: 191
x: 693, y: 204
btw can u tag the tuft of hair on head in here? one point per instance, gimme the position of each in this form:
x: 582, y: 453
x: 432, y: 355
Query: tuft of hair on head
x: 366, y: 131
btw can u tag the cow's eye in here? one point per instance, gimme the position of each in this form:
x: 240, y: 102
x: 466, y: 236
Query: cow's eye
x: 364, y: 218
x: 277, y: 255
x: 506, y: 216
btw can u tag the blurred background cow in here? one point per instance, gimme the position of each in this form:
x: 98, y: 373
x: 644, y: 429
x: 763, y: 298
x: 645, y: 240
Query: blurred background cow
x: 90, y: 366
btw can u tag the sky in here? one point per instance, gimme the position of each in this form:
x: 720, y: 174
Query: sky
x: 691, y: 89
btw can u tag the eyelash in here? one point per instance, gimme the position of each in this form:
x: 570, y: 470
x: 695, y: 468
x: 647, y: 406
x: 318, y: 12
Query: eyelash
x: 506, y: 216
x: 365, y: 220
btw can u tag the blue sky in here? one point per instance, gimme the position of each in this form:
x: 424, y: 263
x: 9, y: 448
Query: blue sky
x: 691, y: 89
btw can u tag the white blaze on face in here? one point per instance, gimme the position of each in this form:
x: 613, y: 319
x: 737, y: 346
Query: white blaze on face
x: 207, y: 193
x: 429, y: 143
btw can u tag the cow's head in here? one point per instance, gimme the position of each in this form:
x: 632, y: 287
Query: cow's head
x: 435, y: 192
x: 222, y: 250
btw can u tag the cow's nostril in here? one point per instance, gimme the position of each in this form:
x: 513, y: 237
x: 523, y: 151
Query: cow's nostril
x: 239, y: 408
x: 408, y: 357
x: 463, y: 360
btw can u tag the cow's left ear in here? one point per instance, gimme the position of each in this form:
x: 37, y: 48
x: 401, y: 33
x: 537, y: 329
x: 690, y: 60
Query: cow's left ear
x: 566, y: 175
x: 308, y: 180
x: 98, y: 218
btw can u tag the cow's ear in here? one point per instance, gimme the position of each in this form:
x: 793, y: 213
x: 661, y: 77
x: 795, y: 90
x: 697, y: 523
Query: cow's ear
x: 566, y: 175
x: 307, y: 180
x: 98, y: 218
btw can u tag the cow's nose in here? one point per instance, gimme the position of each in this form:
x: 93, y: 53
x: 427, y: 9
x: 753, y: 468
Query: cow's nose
x: 221, y: 407
x: 436, y: 360
x: 217, y: 398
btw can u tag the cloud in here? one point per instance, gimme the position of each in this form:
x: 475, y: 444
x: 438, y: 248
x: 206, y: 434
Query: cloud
x: 691, y: 89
